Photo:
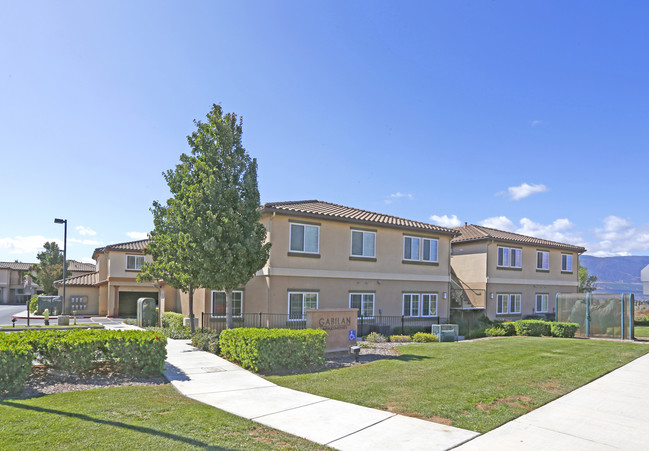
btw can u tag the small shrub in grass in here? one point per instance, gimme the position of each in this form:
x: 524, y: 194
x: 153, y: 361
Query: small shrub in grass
x: 206, y: 341
x: 423, y: 337
x: 495, y: 331
x: 564, y: 330
x: 273, y: 349
x: 400, y: 338
x: 375, y: 337
x: 172, y: 320
x: 532, y: 327
x: 15, y: 364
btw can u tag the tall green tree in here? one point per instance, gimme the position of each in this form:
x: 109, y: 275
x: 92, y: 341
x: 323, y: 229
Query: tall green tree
x: 208, y: 234
x: 586, y: 281
x: 49, y: 268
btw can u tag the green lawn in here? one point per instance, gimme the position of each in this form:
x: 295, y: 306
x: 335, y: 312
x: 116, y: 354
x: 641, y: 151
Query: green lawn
x: 151, y: 417
x: 473, y: 385
x: 641, y: 331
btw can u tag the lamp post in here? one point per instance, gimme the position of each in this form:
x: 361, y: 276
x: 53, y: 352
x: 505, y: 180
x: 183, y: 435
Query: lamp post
x: 65, y: 261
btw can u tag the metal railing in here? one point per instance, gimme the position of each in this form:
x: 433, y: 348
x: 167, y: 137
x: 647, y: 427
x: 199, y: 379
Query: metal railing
x: 385, y: 325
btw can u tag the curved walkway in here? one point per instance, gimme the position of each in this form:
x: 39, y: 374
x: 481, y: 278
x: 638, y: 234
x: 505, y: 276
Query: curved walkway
x: 212, y: 380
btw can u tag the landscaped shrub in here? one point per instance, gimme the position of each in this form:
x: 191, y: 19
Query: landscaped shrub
x: 400, y: 338
x: 532, y: 327
x: 273, y: 349
x: 176, y: 334
x: 137, y: 351
x: 412, y: 330
x: 33, y: 304
x: 495, y: 331
x: 73, y: 351
x: 15, y: 364
x: 476, y: 333
x: 172, y: 320
x: 206, y: 341
x: 423, y: 337
x: 375, y: 337
x: 564, y: 330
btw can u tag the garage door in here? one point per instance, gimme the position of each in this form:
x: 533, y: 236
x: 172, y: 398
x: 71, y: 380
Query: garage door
x: 128, y: 302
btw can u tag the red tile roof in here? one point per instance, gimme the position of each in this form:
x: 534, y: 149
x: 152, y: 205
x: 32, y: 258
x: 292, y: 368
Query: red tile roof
x: 326, y: 210
x: 83, y: 280
x: 128, y: 246
x: 16, y: 266
x: 74, y: 265
x: 473, y: 232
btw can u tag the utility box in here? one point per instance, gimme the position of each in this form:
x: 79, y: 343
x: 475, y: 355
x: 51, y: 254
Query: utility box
x: 63, y: 320
x: 445, y: 332
x: 146, y: 314
x: 186, y: 322
x: 54, y: 304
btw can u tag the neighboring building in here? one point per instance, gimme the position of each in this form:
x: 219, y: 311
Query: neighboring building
x: 509, y: 276
x: 16, y: 283
x: 644, y: 277
x: 325, y: 255
x: 76, y: 268
x: 112, y: 289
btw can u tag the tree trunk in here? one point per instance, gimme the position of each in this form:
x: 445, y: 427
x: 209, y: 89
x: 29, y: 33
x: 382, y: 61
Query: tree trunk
x: 229, y: 321
x: 191, y: 309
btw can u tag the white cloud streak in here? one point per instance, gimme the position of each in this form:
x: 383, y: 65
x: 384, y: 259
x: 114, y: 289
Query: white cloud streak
x: 525, y: 190
x: 499, y: 222
x: 85, y: 231
x: 26, y: 244
x: 398, y: 195
x: 446, y: 221
x: 619, y: 237
x: 137, y: 235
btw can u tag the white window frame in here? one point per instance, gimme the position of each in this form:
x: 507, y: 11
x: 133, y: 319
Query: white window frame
x: 420, y: 249
x: 507, y: 257
x: 290, y: 237
x: 545, y: 260
x: 362, y: 311
x: 136, y: 257
x: 303, y: 293
x: 412, y: 305
x: 542, y: 296
x: 431, y: 296
x: 568, y: 259
x: 223, y: 316
x: 351, y: 243
x: 507, y: 299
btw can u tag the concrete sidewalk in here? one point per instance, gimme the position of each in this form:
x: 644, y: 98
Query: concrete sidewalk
x: 212, y: 380
x: 609, y: 413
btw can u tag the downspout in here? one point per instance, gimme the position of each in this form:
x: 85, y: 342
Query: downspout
x: 270, y: 235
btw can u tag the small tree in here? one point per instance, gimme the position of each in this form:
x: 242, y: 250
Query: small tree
x: 208, y: 234
x: 49, y: 268
x: 586, y: 281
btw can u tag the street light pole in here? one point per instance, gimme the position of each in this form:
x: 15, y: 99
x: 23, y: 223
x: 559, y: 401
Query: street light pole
x: 65, y: 260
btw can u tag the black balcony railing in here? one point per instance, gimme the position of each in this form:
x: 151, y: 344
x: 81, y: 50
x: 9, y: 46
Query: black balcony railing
x: 385, y: 325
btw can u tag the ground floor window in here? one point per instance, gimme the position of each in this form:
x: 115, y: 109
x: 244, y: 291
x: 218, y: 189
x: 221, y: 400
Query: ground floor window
x: 429, y: 304
x: 364, y: 302
x: 542, y: 303
x: 218, y: 303
x: 298, y: 302
x: 508, y: 304
x: 420, y: 304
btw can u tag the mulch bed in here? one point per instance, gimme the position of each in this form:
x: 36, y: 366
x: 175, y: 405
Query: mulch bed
x: 44, y: 381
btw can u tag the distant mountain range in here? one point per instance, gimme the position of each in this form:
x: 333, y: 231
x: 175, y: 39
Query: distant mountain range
x: 616, y: 274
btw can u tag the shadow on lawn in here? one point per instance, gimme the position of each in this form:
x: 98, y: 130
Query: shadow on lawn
x: 412, y: 357
x: 82, y: 417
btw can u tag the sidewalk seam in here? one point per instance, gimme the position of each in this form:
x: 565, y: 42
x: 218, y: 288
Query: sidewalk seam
x: 292, y: 408
x: 361, y: 429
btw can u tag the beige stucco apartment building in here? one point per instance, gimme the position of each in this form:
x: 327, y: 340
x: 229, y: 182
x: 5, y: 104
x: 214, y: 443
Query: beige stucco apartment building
x: 512, y: 276
x: 15, y: 282
x: 325, y: 255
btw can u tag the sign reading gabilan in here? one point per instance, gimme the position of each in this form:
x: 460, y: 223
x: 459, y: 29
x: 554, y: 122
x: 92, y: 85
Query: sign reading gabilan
x: 338, y: 323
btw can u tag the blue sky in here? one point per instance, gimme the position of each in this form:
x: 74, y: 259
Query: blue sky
x: 526, y: 116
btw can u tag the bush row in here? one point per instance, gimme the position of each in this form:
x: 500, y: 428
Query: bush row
x: 273, y: 349
x: 172, y: 320
x: 74, y: 351
x: 533, y: 328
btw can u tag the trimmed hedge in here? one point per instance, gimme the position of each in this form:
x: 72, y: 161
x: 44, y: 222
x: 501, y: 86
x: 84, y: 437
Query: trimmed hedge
x: 532, y: 327
x: 267, y: 350
x: 564, y: 330
x: 400, y: 338
x: 206, y: 341
x: 423, y: 337
x: 176, y: 334
x: 495, y: 331
x: 172, y: 320
x: 137, y: 352
x: 15, y: 365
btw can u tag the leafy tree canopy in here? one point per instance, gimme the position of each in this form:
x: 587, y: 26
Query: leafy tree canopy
x: 586, y: 281
x: 208, y: 233
x: 49, y: 268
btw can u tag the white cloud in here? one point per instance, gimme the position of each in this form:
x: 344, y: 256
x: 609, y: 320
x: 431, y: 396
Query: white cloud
x: 499, y: 222
x: 619, y: 237
x: 137, y: 235
x: 559, y: 230
x: 524, y: 190
x: 536, y: 122
x: 398, y: 195
x: 86, y: 242
x: 446, y: 221
x: 26, y: 244
x: 85, y: 231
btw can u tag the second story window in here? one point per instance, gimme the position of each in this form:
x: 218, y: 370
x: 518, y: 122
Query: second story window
x: 363, y: 243
x: 510, y: 257
x: 566, y: 262
x: 543, y: 260
x: 134, y: 262
x: 420, y: 249
x: 304, y: 238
